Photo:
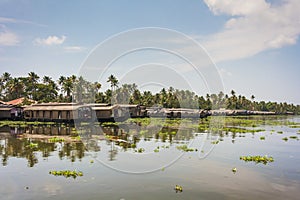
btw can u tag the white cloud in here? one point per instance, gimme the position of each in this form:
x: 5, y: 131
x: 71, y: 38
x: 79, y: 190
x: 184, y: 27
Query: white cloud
x: 51, y: 40
x: 255, y: 26
x: 8, y: 38
x: 74, y: 49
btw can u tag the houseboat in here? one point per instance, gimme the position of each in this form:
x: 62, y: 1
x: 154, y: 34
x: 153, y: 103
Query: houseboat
x: 10, y: 112
x: 134, y: 110
x: 185, y: 113
x: 59, y: 112
x: 108, y: 112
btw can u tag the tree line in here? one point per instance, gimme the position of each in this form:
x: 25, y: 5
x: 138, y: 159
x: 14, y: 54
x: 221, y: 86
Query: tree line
x: 77, y: 89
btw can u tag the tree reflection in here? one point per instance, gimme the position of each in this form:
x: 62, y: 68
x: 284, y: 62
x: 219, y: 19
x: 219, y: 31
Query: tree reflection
x: 20, y: 148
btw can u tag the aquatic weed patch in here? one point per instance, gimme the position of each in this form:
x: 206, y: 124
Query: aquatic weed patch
x: 257, y: 159
x: 185, y: 148
x: 66, y: 173
x: 32, y: 145
x: 56, y: 139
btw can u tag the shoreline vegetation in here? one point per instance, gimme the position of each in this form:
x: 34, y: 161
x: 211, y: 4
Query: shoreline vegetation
x: 76, y: 89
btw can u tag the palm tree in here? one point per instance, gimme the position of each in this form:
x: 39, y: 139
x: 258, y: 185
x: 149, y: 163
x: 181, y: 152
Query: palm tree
x: 16, y: 88
x: 113, y: 82
x: 4, y: 80
x: 232, y: 92
x: 67, y: 87
x: 32, y: 79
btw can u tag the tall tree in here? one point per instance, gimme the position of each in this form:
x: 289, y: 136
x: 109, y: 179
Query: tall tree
x: 113, y: 82
x: 32, y: 81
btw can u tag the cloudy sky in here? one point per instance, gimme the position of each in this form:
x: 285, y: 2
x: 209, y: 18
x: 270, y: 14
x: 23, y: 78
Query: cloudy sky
x: 253, y: 43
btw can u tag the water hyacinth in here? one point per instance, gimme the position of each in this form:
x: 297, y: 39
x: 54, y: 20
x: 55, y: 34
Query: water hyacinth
x: 66, y: 173
x: 257, y: 159
x: 56, y: 139
x: 178, y: 188
x: 185, y: 148
x: 33, y: 145
x: 262, y: 138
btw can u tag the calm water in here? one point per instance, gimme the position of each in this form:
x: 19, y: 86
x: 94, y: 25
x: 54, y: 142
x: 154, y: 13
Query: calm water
x: 114, y: 170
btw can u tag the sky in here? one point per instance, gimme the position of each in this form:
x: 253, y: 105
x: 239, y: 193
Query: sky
x: 249, y: 46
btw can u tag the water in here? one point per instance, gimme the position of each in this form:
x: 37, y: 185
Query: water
x: 114, y: 172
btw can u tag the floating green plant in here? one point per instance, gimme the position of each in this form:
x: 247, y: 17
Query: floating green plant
x: 33, y: 145
x: 262, y: 138
x: 56, y: 139
x: 293, y: 137
x: 185, y: 148
x: 215, y: 142
x: 294, y: 126
x: 156, y: 150
x: 76, y: 138
x: 257, y: 159
x: 66, y: 173
x: 285, y: 139
x: 234, y: 170
x: 140, y: 150
x: 178, y: 188
x: 280, y: 132
x: 133, y: 145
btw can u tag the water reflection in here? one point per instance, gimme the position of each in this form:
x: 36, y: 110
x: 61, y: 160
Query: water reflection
x: 15, y: 141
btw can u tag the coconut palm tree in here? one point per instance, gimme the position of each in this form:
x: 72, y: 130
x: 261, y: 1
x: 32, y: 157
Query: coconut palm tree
x: 113, y: 82
x: 4, y: 80
x: 32, y: 81
x: 16, y: 88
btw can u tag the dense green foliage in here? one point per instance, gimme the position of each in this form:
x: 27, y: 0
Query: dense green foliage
x: 77, y: 89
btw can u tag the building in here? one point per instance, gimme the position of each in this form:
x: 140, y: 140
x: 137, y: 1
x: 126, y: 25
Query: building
x: 60, y: 112
x: 10, y: 112
x: 108, y: 112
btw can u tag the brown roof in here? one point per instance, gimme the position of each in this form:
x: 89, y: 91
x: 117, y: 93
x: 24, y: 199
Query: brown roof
x: 18, y: 101
x: 54, y: 106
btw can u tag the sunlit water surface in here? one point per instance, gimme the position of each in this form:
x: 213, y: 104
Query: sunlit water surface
x: 112, y: 172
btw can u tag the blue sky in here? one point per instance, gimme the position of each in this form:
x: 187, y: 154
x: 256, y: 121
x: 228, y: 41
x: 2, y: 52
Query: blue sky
x: 254, y: 43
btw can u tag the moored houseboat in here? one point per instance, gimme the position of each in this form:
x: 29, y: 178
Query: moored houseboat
x: 134, y: 110
x: 59, y: 112
x: 185, y: 113
x: 108, y: 112
x: 10, y: 112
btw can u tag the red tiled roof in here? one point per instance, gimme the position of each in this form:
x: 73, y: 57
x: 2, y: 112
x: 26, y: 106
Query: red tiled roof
x: 16, y: 101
